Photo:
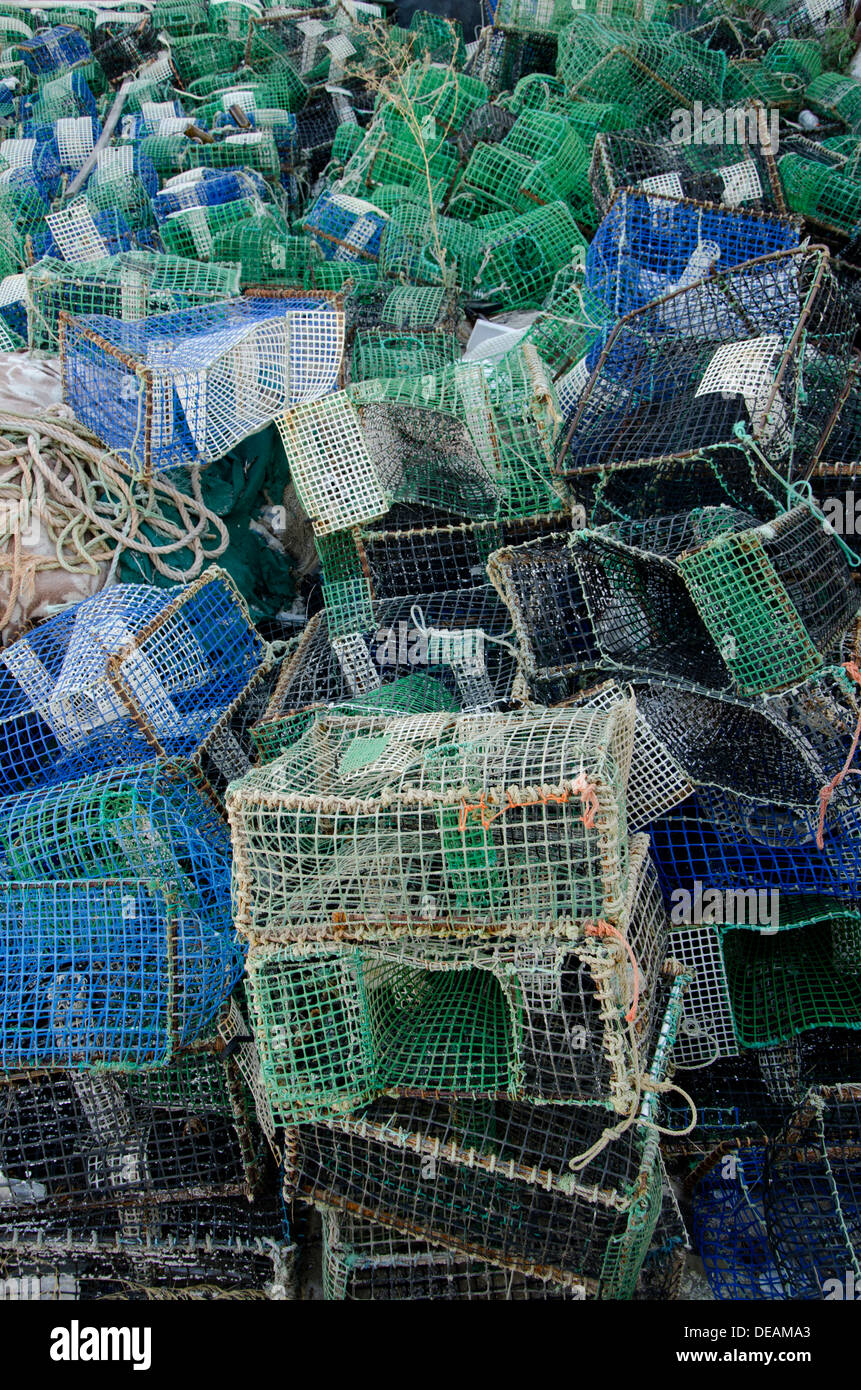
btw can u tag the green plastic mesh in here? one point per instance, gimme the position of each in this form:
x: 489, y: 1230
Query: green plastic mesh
x: 455, y: 1174
x: 838, y: 95
x: 191, y: 232
x: 413, y: 243
x: 749, y: 80
x: 540, y: 160
x: 254, y: 150
x: 265, y: 254
x: 131, y: 285
x: 800, y: 56
x: 783, y: 985
x: 651, y: 70
x: 281, y: 89
x: 519, y: 261
x: 417, y: 693
x: 821, y: 194
x: 474, y: 440
x: 518, y: 1019
x: 771, y: 597
x: 380, y: 352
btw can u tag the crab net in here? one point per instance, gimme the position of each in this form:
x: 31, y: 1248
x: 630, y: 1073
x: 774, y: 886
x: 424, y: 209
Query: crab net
x: 475, y: 443
x: 707, y: 394
x: 440, y: 825
x: 216, y: 1248
x: 112, y: 971
x: 419, y: 653
x: 126, y: 675
x: 649, y: 245
x: 585, y: 1218
x: 712, y: 598
x: 131, y: 285
x: 546, y: 1023
x: 79, y: 1140
x: 185, y: 388
x: 812, y: 1191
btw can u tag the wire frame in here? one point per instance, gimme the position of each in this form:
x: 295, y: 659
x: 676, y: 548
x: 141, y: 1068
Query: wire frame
x: 520, y: 259
x: 185, y: 388
x: 149, y: 818
x: 527, y: 1022
x: 653, y: 70
x: 781, y: 748
x: 691, y: 386
x: 131, y: 285
x: 107, y: 971
x: 147, y: 1250
x: 75, y: 1140
x: 425, y: 554
x: 657, y: 781
x: 365, y: 1262
x: 331, y: 468
x: 806, y: 979
x: 707, y: 597
x: 472, y: 440
x: 131, y: 673
x: 736, y: 173
x: 726, y: 841
x: 453, y: 1174
x: 505, y: 55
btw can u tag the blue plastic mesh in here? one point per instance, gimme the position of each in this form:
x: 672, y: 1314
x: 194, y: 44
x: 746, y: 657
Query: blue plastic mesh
x: 150, y: 820
x: 211, y: 188
x: 127, y: 674
x: 648, y: 246
x: 345, y: 229
x: 726, y: 841
x: 729, y: 1229
x: 99, y: 971
x: 51, y: 49
x: 184, y: 388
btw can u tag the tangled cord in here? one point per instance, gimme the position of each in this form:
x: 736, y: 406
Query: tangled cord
x: 55, y: 473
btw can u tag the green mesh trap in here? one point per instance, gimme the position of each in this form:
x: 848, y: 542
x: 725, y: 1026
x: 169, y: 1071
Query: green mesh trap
x: 821, y: 193
x: 550, y: 1023
x: 588, y: 1226
x: 795, y: 981
x: 130, y: 285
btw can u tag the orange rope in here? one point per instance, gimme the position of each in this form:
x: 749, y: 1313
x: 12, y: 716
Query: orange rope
x: 488, y: 816
x: 602, y: 928
x: 830, y: 788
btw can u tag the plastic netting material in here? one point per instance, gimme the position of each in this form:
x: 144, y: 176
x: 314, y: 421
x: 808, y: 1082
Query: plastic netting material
x: 528, y: 1021
x: 583, y: 1228
x: 438, y: 825
x: 106, y: 972
x: 128, y: 674
x: 184, y: 388
x: 131, y: 285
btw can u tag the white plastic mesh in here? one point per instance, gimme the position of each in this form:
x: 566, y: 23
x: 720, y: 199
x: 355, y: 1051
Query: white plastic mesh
x: 75, y: 233
x: 331, y: 468
x: 706, y: 1032
x: 75, y: 140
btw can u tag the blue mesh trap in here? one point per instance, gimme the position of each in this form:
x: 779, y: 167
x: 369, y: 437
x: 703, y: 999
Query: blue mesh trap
x: 649, y: 245
x: 106, y: 971
x: 128, y: 674
x: 185, y: 388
